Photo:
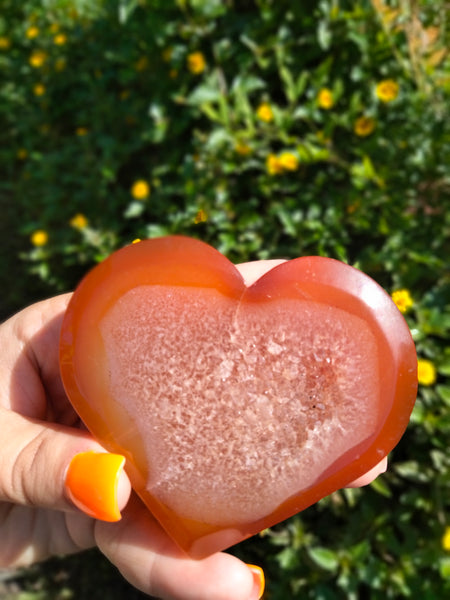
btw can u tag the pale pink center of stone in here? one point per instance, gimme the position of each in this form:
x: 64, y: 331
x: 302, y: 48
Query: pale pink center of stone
x: 239, y: 406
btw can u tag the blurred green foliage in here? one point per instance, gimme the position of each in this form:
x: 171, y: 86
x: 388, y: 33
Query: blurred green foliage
x: 268, y: 128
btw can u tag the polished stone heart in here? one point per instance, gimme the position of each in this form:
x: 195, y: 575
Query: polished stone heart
x: 235, y: 406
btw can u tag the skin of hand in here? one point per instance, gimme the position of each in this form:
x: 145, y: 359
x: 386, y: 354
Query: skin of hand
x: 40, y: 435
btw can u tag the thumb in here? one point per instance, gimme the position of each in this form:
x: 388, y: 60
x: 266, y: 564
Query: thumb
x: 52, y: 466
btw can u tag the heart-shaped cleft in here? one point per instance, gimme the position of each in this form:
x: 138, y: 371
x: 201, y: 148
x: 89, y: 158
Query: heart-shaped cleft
x: 235, y: 406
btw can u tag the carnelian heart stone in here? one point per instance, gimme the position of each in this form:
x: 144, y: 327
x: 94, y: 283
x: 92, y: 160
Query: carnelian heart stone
x: 235, y: 406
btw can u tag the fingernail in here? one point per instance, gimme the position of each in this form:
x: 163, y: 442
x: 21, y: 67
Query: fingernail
x: 92, y: 480
x: 259, y: 579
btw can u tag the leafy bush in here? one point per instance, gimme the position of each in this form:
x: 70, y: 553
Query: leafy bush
x: 267, y: 128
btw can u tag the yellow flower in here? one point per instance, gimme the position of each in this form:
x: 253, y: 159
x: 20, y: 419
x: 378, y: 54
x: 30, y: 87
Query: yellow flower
x: 141, y: 64
x: 196, y: 63
x: 39, y: 89
x: 426, y: 372
x: 325, y: 99
x: 60, y: 39
x: 140, y: 190
x: 167, y: 54
x: 39, y: 238
x: 264, y: 112
x: 242, y: 148
x: 402, y: 299
x: 81, y: 131
x: 446, y: 539
x: 387, y: 90
x: 22, y: 153
x: 5, y: 43
x: 38, y: 58
x: 273, y: 165
x: 323, y: 139
x: 352, y: 208
x: 288, y: 161
x: 32, y: 32
x: 54, y: 28
x: 79, y: 221
x: 200, y: 217
x: 60, y: 64
x: 364, y: 126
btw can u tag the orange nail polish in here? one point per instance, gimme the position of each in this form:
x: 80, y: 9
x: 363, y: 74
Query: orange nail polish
x: 258, y: 576
x: 91, y: 482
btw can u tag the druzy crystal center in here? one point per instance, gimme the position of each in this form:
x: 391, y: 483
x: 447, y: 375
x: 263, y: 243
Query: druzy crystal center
x: 238, y: 405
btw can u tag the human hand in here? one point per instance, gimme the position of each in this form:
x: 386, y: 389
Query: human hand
x: 41, y: 434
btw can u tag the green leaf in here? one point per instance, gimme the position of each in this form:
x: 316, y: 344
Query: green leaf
x: 325, y: 558
x: 288, y: 220
x: 413, y: 471
x: 218, y: 139
x: 418, y: 415
x: 32, y: 596
x: 324, y: 35
x: 155, y: 230
x: 247, y: 84
x: 126, y: 9
x: 360, y: 551
x: 134, y: 209
x: 444, y: 367
x: 444, y: 567
x: 209, y: 8
x: 287, y: 558
x: 288, y: 80
x: 203, y: 94
x: 444, y: 393
x: 364, y: 172
x: 211, y: 113
x: 300, y: 84
x: 381, y: 487
x: 210, y: 90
